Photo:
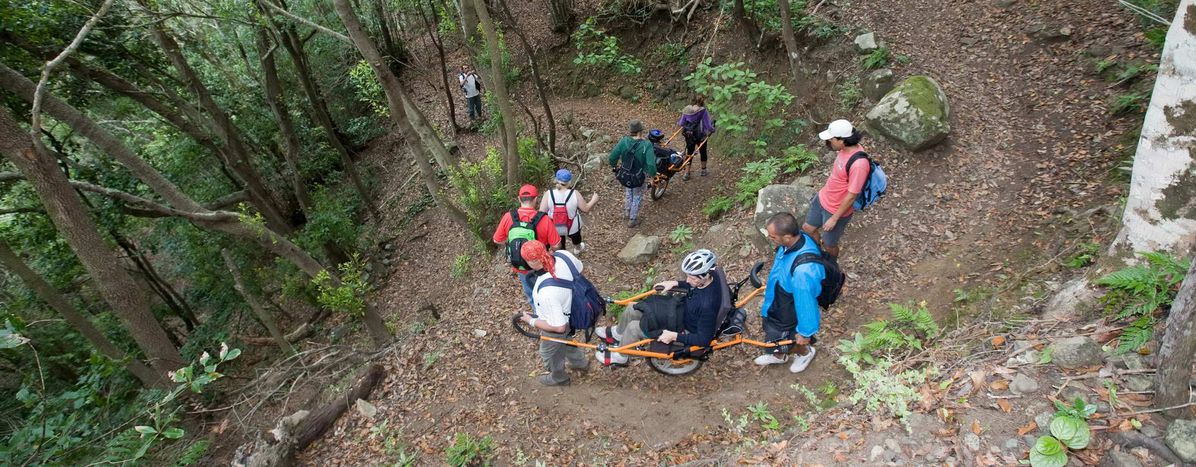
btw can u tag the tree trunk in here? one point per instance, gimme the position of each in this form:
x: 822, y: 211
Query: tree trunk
x: 259, y: 310
x: 59, y: 303
x: 561, y: 12
x: 536, y: 79
x: 65, y: 209
x: 240, y: 158
x: 1160, y: 212
x: 160, y: 288
x: 292, y: 148
x: 469, y: 22
x: 790, y: 41
x: 750, y: 31
x: 434, y: 36
x: 394, y: 54
x: 427, y: 134
x: 395, y: 96
x: 499, y: 83
x: 1174, y: 376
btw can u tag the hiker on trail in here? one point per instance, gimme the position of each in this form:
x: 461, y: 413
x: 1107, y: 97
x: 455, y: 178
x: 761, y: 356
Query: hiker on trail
x: 634, y: 163
x: 665, y: 156
x: 522, y: 225
x: 552, y: 307
x: 706, y: 299
x: 831, y: 208
x: 695, y: 123
x: 564, y: 205
x: 791, y: 309
x: 471, y: 85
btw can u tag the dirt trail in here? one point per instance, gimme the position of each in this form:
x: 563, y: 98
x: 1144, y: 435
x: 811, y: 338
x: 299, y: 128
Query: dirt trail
x: 1031, y: 136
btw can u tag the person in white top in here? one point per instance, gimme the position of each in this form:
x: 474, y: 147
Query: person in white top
x: 471, y: 85
x: 552, y: 306
x: 564, y: 206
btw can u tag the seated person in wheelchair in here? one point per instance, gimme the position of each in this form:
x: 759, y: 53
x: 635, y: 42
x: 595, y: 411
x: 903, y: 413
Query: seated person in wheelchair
x: 683, y: 320
x: 665, y: 156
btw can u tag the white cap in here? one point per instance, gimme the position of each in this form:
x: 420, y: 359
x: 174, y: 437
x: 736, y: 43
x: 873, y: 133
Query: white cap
x: 837, y: 129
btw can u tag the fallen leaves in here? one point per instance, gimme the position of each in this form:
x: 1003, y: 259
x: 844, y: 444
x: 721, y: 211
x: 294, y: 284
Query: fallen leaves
x: 997, y: 341
x: 1024, y: 429
x: 976, y: 428
x: 1004, y: 405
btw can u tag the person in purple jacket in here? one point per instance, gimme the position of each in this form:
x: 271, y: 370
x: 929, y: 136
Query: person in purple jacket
x: 696, y: 124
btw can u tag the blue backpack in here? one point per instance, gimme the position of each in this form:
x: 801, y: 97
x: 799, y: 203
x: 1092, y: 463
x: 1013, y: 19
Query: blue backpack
x: 874, y: 186
x: 586, y: 306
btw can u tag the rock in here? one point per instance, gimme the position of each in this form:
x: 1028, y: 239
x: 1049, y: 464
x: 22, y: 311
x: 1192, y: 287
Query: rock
x: 877, y: 83
x: 594, y: 162
x: 1023, y: 384
x: 877, y: 453
x: 388, y: 246
x: 479, y: 333
x: 1076, y: 352
x: 806, y: 181
x: 639, y: 249
x: 1072, y: 301
x: 866, y: 43
x: 1129, y: 361
x: 588, y: 133
x: 452, y: 147
x: 365, y: 408
x: 758, y: 240
x: 892, y: 445
x: 972, y: 441
x: 937, y: 454
x: 1181, y: 438
x: 745, y: 250
x: 1138, y: 383
x: 915, y: 114
x: 340, y: 332
x: 1044, y: 422
x: 1004, y: 3
x: 1012, y: 444
x: 1028, y: 357
x: 627, y: 92
x: 720, y: 239
x: 774, y: 199
x: 606, y: 141
x: 1118, y: 458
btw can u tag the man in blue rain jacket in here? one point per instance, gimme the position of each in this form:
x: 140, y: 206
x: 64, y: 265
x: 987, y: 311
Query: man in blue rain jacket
x: 790, y: 308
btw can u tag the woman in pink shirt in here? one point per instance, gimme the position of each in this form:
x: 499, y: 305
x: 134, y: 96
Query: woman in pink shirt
x: 830, y: 209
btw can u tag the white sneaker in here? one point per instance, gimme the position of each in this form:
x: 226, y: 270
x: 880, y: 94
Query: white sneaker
x: 615, y: 358
x: 581, y: 248
x: 800, y: 362
x: 769, y: 359
x: 605, y: 332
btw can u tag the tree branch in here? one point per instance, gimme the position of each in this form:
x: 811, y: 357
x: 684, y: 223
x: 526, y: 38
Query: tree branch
x: 39, y: 92
x: 280, y: 10
x: 140, y: 206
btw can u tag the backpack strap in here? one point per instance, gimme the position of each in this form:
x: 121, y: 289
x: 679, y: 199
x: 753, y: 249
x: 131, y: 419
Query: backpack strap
x: 805, y: 258
x: 535, y: 222
x: 514, y: 219
x: 565, y: 259
x: 570, y: 195
x: 855, y: 157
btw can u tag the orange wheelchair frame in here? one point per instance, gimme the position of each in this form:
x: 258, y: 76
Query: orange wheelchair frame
x: 678, y: 362
x: 660, y: 182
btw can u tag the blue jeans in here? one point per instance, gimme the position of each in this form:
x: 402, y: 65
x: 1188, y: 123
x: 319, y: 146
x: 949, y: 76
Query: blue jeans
x: 474, y: 106
x: 528, y: 280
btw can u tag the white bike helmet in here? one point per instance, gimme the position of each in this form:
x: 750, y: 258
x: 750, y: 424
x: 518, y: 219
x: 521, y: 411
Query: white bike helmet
x: 698, y: 263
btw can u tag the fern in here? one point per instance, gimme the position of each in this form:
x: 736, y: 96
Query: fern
x: 1140, y: 290
x: 1136, y: 335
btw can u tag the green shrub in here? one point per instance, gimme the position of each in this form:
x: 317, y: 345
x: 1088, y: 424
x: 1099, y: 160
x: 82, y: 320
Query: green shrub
x: 681, y: 234
x: 596, y: 48
x: 535, y: 167
x: 467, y: 451
x: 743, y: 104
x: 850, y: 93
x: 460, y: 266
x: 1129, y: 103
x: 1086, y: 253
x: 1137, y: 291
x: 482, y: 192
x: 756, y: 176
x: 349, y: 295
x: 673, y: 52
x: 717, y: 206
x: 877, y: 59
x: 369, y: 90
x: 798, y: 159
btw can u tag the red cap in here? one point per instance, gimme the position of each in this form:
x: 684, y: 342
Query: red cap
x: 527, y: 191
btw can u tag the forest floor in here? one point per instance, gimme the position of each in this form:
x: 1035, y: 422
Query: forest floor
x: 990, y: 212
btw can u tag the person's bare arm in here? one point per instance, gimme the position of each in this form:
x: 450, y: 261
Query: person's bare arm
x: 584, y: 205
x: 829, y: 225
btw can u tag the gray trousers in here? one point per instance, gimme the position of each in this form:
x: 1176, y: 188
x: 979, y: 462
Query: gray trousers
x: 555, y: 354
x: 629, y: 326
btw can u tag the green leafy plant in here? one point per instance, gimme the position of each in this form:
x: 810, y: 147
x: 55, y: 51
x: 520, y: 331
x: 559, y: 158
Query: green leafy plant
x: 596, y: 48
x: 1104, y: 64
x: 467, y: 451
x: 1047, y: 355
x: 346, y: 294
x: 850, y: 93
x: 1069, y: 430
x: 717, y: 206
x: 756, y: 176
x: 673, y: 52
x: 876, y: 59
x: 681, y: 234
x: 744, y: 104
x: 1048, y: 452
x: 738, y: 425
x: 759, y: 412
x: 369, y: 90
x: 909, y: 329
x: 798, y: 159
x: 1086, y: 254
x: 1134, y: 102
x: 1137, y: 291
x: 460, y: 266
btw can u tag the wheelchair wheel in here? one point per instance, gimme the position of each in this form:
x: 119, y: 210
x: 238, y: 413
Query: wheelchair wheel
x: 672, y: 367
x: 522, y: 328
x: 658, y: 188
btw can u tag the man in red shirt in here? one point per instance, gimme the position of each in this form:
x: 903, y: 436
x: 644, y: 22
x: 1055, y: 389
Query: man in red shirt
x: 545, y: 232
x: 830, y: 209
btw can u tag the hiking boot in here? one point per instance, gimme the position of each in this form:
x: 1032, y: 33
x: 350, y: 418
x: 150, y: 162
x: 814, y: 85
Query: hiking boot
x: 800, y: 362
x: 616, y: 359
x: 608, y: 334
x: 633, y: 223
x: 582, y: 368
x: 686, y: 176
x: 547, y: 381
x: 704, y: 173
x: 770, y: 359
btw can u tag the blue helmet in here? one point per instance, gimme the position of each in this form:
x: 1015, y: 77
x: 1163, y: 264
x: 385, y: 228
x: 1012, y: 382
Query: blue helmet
x: 655, y: 135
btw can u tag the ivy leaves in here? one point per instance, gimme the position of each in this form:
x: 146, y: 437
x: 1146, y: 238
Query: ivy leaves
x: 1069, y: 430
x: 1048, y: 452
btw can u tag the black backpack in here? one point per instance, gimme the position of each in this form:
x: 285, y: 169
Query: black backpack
x: 832, y: 284
x: 518, y: 234
x: 631, y: 167
x: 693, y: 130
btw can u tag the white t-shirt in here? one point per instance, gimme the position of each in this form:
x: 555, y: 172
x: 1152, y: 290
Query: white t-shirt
x: 552, y: 303
x: 559, y: 194
x: 469, y: 84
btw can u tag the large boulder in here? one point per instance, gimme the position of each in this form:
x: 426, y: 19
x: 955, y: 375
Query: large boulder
x: 639, y: 249
x: 1181, y: 438
x: 721, y: 239
x: 1076, y: 352
x: 773, y: 199
x: 866, y: 43
x: 594, y: 162
x: 878, y: 83
x: 915, y: 114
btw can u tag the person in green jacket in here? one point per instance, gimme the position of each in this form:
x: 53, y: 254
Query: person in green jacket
x: 635, y: 163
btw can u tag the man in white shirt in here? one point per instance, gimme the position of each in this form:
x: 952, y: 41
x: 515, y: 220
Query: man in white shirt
x: 552, y: 304
x: 471, y: 85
